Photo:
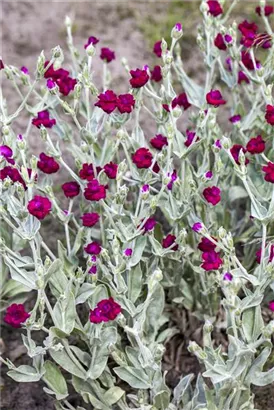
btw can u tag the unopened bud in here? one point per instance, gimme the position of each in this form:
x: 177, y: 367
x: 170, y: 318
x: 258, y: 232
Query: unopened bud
x: 208, y: 327
x: 41, y: 64
x: 90, y: 50
x: 177, y: 31
x: 222, y: 233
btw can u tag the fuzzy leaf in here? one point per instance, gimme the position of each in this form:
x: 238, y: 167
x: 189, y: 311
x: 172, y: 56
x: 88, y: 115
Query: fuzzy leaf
x: 25, y: 374
x: 62, y: 358
x: 113, y: 395
x: 85, y: 291
x: 252, y: 323
x: 134, y: 283
x: 136, y: 378
x: 55, y: 380
x: 138, y: 250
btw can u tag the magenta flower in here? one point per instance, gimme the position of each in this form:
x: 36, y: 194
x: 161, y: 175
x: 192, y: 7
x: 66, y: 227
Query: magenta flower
x: 16, y: 315
x: 1, y: 64
x: 145, y: 188
x: 172, y: 179
x: 50, y: 84
x: 259, y: 255
x: 248, y: 62
x: 269, y: 172
x: 214, y: 97
x: 106, y: 310
x: 47, y: 164
x: 87, y: 172
x: 93, y: 270
x: 142, y: 158
x: 107, y: 55
x: 66, y: 85
x: 170, y: 240
x: 242, y: 77
x: 156, y: 168
x: 107, y: 101
x: 218, y: 144
x: 7, y: 153
x: 214, y: 8
x: 128, y: 252
x: 211, y: 261
x: 212, y: 195
x: 190, y: 136
x: 13, y: 174
x: 256, y: 145
x: 93, y: 248
x: 43, y: 119
x: 156, y: 74
x: 271, y: 305
x: 61, y: 77
x: 158, y: 142
x: 111, y: 170
x: 205, y: 245
x: 71, y: 189
x: 208, y: 175
x: 248, y: 31
x: 235, y: 118
x: 24, y: 70
x: 229, y: 63
x: 269, y: 114
x: 219, y: 42
x: 157, y: 49
x: 228, y: 276
x: 182, y: 101
x: 267, y: 10
x: 91, y: 40
x: 235, y: 151
x: 138, y: 78
x: 39, y: 207
x: 90, y: 219
x: 125, y: 103
x: 197, y: 227
x: 149, y: 224
x: 94, y: 191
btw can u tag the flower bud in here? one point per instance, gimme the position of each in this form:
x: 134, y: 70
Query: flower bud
x: 177, y: 112
x: 105, y: 256
x: 5, y: 130
x: 242, y: 158
x: 57, y: 53
x: 7, y: 182
x: 121, y: 135
x: 208, y: 327
x: 154, y: 203
x: 19, y: 189
x: 68, y: 21
x: 163, y: 46
x: 47, y: 262
x: 90, y: 50
x: 226, y: 143
x: 222, y: 233
x: 268, y: 90
x: 43, y: 133
x: 40, y: 67
x: 177, y: 31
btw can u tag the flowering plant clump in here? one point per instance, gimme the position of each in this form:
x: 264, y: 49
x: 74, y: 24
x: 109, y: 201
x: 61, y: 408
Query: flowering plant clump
x: 182, y: 218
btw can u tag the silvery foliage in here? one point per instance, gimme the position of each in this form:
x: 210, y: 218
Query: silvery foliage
x: 91, y: 359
